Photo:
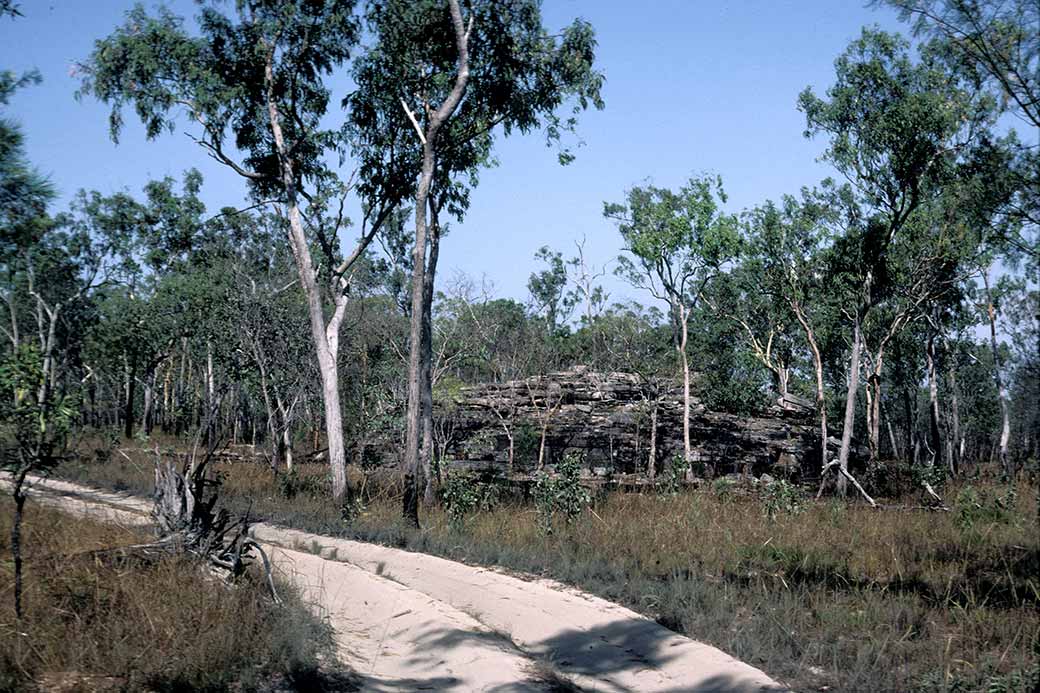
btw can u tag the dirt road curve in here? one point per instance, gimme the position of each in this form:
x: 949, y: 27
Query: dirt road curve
x: 406, y: 621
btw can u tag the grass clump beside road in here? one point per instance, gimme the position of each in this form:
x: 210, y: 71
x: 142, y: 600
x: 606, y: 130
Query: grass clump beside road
x: 821, y: 595
x: 96, y: 624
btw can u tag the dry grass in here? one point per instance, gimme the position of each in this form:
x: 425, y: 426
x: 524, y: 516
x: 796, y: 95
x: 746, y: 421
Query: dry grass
x: 163, y: 625
x: 837, y: 597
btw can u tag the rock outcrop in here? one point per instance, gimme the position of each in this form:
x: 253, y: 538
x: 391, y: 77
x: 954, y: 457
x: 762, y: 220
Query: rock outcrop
x: 607, y: 417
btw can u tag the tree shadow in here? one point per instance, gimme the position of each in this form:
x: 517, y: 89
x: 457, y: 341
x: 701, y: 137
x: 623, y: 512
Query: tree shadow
x: 609, y: 653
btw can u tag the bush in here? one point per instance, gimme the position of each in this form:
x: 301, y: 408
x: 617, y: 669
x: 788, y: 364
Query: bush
x: 560, y: 493
x: 723, y: 488
x: 973, y: 506
x: 675, y: 474
x: 780, y: 496
x: 292, y: 484
x: 462, y: 495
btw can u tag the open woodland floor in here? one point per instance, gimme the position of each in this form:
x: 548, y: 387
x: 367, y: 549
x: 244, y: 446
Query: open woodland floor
x: 833, y: 596
x: 105, y: 624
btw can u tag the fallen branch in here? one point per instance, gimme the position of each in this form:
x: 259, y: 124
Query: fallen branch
x: 847, y: 475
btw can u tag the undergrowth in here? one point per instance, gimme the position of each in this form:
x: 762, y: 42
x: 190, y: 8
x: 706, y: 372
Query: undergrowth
x: 126, y: 624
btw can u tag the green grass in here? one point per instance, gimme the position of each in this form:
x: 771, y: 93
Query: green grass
x: 837, y: 597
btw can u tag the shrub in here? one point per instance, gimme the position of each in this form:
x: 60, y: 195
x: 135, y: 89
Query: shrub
x: 560, y: 493
x: 462, y: 494
x: 675, y: 474
x: 780, y: 496
x: 973, y: 506
x: 723, y: 488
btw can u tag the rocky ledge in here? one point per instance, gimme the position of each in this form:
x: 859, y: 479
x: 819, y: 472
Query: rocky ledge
x: 608, y: 418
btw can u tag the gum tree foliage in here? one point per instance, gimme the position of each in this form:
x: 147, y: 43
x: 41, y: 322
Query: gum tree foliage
x: 548, y: 289
x: 996, y: 41
x: 674, y: 243
x: 896, y: 128
x: 253, y: 84
x: 439, y: 82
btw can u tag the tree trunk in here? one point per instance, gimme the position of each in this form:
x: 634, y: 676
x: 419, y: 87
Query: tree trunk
x: 148, y: 414
x: 910, y: 413
x: 681, y: 347
x: 783, y: 379
x: 414, y: 418
x: 427, y: 355
x: 324, y: 337
x: 821, y: 403
x: 887, y: 413
x: 956, y: 444
x: 850, y: 410
x: 16, y: 542
x: 276, y: 448
x: 934, y: 420
x: 998, y: 378
x: 874, y: 414
x: 130, y: 393
x: 651, y: 464
x: 419, y: 313
x: 509, y: 437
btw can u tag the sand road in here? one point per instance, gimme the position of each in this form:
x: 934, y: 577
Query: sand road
x: 406, y: 621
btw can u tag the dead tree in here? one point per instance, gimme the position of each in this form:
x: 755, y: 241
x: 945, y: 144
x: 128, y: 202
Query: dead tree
x: 188, y: 521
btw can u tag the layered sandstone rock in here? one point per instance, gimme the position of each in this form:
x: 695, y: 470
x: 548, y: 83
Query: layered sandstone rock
x: 606, y: 417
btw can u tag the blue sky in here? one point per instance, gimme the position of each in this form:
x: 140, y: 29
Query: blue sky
x: 692, y: 86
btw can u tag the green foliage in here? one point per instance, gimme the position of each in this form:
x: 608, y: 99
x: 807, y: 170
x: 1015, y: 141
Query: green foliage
x: 974, y: 506
x: 463, y: 493
x: 934, y: 475
x: 156, y: 65
x: 526, y: 440
x: 723, y: 488
x: 780, y: 497
x: 675, y: 474
x: 32, y: 416
x: 673, y: 240
x: 560, y: 493
x: 522, y: 78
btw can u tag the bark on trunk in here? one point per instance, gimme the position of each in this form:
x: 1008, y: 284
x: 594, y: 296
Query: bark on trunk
x: 651, y: 464
x: 998, y: 378
x: 324, y: 337
x: 130, y: 393
x: 850, y: 411
x: 427, y: 355
x: 934, y: 420
x: 419, y: 313
x: 956, y: 444
x: 821, y: 404
x: 681, y: 348
x: 16, y: 543
x: 148, y: 415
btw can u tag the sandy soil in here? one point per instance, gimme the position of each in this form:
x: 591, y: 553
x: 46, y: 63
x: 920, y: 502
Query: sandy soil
x: 407, y: 621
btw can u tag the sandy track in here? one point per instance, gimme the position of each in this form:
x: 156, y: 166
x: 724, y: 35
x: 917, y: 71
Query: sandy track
x: 410, y: 621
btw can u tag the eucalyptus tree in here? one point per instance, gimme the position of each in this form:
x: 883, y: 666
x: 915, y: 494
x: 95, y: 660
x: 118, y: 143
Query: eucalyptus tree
x: 758, y: 310
x: 896, y: 128
x: 674, y: 243
x: 998, y: 41
x: 441, y: 79
x: 253, y: 84
x: 631, y: 338
x: 548, y: 289
x: 788, y: 244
